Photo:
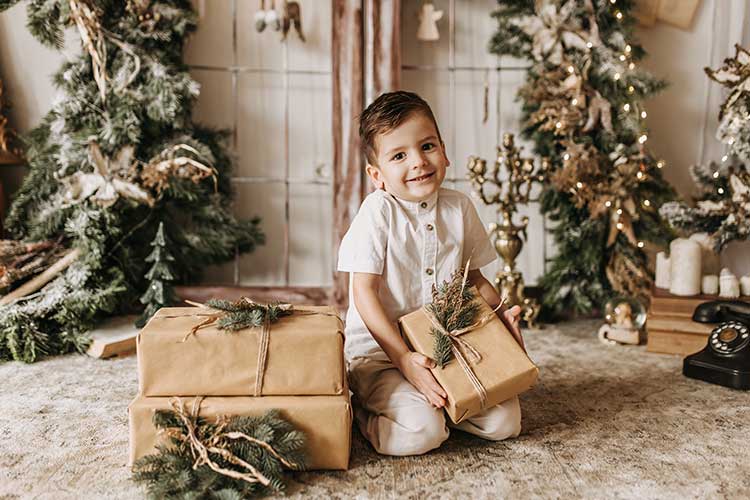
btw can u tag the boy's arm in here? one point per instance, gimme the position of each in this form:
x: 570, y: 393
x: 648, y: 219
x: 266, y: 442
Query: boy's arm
x: 413, y: 365
x: 509, y: 317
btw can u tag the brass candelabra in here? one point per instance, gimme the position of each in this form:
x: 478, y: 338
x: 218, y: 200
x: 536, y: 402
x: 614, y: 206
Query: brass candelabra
x: 507, y: 185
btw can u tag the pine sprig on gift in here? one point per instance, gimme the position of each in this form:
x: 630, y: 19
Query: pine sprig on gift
x: 246, y: 314
x: 454, y: 307
x: 171, y: 472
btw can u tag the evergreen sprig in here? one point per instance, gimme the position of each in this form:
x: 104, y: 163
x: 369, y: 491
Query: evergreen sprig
x: 171, y: 471
x: 243, y: 314
x: 454, y: 307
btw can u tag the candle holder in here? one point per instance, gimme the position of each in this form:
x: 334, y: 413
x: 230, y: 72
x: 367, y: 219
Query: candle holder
x: 506, y: 185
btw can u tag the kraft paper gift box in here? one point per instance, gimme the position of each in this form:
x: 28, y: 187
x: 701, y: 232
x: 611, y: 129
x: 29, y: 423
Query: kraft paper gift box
x: 304, y: 355
x: 326, y: 422
x: 504, y: 370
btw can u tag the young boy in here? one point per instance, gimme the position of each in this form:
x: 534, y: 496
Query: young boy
x: 408, y: 235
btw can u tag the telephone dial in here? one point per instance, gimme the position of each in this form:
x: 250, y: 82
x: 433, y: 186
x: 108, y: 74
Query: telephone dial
x: 726, y: 358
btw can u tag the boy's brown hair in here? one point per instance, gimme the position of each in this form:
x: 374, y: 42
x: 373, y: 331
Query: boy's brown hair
x: 386, y: 113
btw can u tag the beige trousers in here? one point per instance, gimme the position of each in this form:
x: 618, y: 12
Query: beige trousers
x: 398, y: 420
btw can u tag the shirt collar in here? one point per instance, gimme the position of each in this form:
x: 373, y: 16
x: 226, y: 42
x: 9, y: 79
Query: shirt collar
x: 421, y: 206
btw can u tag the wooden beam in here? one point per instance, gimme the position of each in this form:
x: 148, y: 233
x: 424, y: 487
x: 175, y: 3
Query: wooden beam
x: 347, y: 48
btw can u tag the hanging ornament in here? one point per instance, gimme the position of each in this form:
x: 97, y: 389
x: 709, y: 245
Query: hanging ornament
x: 260, y: 17
x: 428, y: 18
x: 272, y: 17
x: 292, y: 16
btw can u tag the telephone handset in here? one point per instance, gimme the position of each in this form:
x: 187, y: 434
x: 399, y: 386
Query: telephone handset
x: 726, y: 358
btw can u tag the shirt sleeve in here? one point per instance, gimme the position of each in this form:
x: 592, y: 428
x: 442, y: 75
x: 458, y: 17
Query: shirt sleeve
x: 363, y: 247
x: 476, y: 242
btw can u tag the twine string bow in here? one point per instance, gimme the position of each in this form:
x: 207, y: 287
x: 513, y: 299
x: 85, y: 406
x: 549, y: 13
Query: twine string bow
x: 264, y: 335
x: 202, y: 447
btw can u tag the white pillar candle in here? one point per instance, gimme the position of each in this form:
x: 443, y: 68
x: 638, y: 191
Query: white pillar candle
x: 685, y: 267
x: 729, y: 286
x: 745, y: 285
x: 662, y: 270
x: 710, y: 262
x: 710, y: 284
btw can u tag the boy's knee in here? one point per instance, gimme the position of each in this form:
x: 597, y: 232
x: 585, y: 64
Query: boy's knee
x: 503, y: 421
x: 416, y: 431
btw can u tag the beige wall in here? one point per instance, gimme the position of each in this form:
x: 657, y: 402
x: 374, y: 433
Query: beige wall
x: 675, y: 117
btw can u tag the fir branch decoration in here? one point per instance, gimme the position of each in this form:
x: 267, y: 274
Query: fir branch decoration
x: 454, y: 307
x: 583, y: 109
x: 245, y: 313
x: 234, y: 457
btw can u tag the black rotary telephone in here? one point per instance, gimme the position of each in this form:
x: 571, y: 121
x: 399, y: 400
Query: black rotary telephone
x: 726, y: 358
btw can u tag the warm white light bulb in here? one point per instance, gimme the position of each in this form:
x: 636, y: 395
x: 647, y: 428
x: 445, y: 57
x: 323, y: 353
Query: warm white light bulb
x: 642, y: 139
x: 589, y: 45
x: 607, y: 203
x: 628, y: 48
x: 724, y: 158
x: 619, y: 211
x: 579, y: 184
x: 617, y: 76
x: 622, y: 57
x: 571, y: 69
x: 558, y: 125
x: 639, y: 175
x: 618, y: 15
x: 631, y: 65
x: 640, y: 244
x: 620, y: 225
x: 644, y: 114
x: 566, y: 156
x: 626, y: 107
x: 721, y: 190
x: 631, y: 89
x: 660, y: 164
x: 647, y: 203
x: 574, y: 102
x: 716, y: 174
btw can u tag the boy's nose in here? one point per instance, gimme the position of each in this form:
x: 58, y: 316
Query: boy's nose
x: 421, y: 161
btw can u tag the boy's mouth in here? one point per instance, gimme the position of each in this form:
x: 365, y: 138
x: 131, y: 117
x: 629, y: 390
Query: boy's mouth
x: 421, y: 177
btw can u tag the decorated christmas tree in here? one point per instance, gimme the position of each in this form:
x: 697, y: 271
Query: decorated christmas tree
x: 116, y: 156
x: 583, y: 109
x: 723, y: 205
x: 159, y: 292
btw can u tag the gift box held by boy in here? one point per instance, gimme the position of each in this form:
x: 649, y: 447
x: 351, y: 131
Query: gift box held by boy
x: 409, y: 235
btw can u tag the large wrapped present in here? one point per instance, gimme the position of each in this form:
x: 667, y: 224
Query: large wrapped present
x: 325, y: 421
x: 480, y: 364
x: 194, y: 351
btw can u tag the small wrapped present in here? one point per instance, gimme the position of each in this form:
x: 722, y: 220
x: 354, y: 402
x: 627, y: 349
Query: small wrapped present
x: 205, y: 351
x: 325, y: 421
x: 480, y: 363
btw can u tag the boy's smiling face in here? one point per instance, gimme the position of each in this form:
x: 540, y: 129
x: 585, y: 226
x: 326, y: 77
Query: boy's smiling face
x: 411, y: 159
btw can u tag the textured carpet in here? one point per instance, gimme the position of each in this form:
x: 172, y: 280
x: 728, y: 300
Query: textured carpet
x: 604, y: 422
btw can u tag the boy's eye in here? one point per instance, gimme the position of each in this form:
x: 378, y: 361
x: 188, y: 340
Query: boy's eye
x: 398, y: 156
x: 428, y: 146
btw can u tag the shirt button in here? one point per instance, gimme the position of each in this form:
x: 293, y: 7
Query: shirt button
x: 430, y: 227
x: 429, y: 271
x: 423, y: 204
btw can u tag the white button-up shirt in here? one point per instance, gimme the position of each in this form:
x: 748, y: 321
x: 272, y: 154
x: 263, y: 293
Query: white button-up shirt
x: 413, y: 246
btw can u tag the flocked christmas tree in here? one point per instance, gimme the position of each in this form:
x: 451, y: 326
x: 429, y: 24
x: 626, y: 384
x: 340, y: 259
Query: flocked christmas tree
x: 723, y: 206
x: 583, y: 109
x: 117, y: 155
x: 159, y: 291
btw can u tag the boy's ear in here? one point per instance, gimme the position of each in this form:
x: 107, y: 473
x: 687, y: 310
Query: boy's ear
x: 375, y: 176
x: 445, y: 155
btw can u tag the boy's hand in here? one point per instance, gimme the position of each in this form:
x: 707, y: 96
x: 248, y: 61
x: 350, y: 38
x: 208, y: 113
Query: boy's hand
x: 415, y: 367
x: 512, y: 318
